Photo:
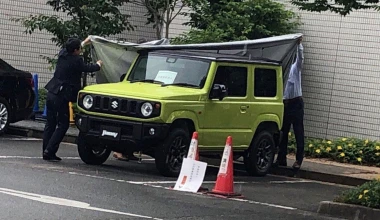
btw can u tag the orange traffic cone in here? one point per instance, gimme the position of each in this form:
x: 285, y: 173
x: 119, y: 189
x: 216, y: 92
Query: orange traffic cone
x: 193, y: 149
x: 224, y: 185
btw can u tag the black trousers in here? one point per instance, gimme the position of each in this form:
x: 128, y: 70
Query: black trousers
x: 57, y: 123
x: 293, y: 115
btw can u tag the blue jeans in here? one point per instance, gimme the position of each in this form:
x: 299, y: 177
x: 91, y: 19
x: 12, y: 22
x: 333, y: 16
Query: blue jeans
x: 293, y: 115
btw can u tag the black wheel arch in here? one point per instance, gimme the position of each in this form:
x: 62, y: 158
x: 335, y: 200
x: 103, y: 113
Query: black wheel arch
x: 184, y: 123
x: 271, y: 127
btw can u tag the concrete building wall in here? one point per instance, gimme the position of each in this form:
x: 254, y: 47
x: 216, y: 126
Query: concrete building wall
x: 23, y: 51
x: 341, y: 75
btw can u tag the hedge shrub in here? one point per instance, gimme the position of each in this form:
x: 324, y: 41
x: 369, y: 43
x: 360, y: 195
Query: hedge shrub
x: 344, y: 150
x: 367, y: 195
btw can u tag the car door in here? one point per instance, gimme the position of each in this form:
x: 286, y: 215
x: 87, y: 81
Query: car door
x: 230, y: 116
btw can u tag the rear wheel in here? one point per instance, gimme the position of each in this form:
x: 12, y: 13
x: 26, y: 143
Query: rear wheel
x: 170, y: 154
x: 259, y: 157
x: 92, y: 154
x: 4, y: 115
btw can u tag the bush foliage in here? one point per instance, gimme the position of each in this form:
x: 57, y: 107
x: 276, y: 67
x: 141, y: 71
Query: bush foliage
x: 367, y: 195
x: 344, y: 150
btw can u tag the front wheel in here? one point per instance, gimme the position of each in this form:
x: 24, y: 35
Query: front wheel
x: 170, y: 154
x: 259, y: 157
x: 93, y: 155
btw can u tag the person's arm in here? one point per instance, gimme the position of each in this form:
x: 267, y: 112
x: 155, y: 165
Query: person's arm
x: 86, y: 41
x: 300, y: 57
x: 89, y: 68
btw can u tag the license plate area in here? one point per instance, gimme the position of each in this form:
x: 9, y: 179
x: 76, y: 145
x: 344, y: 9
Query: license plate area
x: 110, y: 133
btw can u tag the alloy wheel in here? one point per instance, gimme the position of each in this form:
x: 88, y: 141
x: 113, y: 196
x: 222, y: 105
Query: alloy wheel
x: 264, y: 153
x: 177, y: 152
x: 3, y: 116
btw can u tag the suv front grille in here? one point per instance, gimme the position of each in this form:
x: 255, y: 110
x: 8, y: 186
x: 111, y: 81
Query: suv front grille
x: 116, y: 106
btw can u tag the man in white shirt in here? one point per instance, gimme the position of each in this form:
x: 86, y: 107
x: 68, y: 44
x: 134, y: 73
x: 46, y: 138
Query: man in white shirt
x: 293, y: 112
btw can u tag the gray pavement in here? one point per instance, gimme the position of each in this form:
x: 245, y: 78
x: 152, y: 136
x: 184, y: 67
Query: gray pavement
x: 31, y: 188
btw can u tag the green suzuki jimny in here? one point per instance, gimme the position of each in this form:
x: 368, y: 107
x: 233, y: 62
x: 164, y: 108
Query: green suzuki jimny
x: 168, y: 94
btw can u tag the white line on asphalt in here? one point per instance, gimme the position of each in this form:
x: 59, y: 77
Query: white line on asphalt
x: 27, y: 157
x: 20, y: 139
x: 291, y: 181
x: 150, y: 184
x: 65, y: 202
x: 172, y: 182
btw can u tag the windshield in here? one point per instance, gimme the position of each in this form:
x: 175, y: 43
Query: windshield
x: 170, y: 70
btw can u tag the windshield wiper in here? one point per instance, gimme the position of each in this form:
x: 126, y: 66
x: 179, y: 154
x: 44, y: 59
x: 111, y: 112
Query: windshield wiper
x: 180, y: 84
x: 146, y: 80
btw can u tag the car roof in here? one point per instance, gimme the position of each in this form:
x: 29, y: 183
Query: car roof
x: 215, y: 56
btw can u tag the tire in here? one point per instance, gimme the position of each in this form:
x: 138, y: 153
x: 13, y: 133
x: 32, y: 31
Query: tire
x: 262, y: 146
x: 89, y: 155
x: 5, y: 112
x: 170, y: 154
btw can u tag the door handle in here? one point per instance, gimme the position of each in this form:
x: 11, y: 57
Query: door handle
x: 244, y: 108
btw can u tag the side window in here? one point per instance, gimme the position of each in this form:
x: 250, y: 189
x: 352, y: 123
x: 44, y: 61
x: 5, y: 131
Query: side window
x: 265, y: 82
x: 234, y: 78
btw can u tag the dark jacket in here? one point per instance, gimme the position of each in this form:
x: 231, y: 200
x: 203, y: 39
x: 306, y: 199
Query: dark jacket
x: 66, y: 81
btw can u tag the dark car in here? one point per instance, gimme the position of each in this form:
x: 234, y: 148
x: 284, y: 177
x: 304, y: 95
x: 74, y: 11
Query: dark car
x: 17, y: 95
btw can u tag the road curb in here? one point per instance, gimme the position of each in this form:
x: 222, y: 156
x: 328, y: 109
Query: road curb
x: 37, y: 133
x: 280, y: 171
x: 348, y: 211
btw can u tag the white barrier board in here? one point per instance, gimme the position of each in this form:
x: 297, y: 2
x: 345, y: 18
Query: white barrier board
x: 192, y: 175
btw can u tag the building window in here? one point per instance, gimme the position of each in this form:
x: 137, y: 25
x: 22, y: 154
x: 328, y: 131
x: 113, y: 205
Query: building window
x: 265, y: 82
x: 234, y: 78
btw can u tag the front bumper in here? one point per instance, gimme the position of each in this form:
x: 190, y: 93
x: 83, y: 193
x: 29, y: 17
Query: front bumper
x: 113, y: 131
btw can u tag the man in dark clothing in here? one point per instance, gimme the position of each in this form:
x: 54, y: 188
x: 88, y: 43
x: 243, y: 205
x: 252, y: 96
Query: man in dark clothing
x: 62, y: 89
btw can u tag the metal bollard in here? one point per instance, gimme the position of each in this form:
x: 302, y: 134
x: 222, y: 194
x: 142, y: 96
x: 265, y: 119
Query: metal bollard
x: 36, y: 103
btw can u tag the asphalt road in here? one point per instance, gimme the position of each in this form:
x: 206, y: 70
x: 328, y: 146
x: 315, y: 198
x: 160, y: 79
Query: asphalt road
x: 31, y: 188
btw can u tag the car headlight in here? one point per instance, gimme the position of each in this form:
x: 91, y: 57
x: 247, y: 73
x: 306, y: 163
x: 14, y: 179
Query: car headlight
x: 146, y: 109
x: 88, y: 101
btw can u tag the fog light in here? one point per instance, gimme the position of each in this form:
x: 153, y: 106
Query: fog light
x: 80, y: 122
x: 151, y: 131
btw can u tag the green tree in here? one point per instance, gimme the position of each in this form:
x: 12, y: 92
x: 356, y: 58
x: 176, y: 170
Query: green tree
x: 86, y: 17
x: 337, y: 6
x: 223, y: 21
x: 161, y: 13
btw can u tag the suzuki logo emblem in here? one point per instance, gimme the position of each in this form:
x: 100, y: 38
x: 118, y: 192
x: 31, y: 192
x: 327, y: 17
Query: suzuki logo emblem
x: 115, y: 104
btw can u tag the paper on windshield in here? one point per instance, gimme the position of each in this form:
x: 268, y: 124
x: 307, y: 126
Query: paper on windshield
x: 165, y: 76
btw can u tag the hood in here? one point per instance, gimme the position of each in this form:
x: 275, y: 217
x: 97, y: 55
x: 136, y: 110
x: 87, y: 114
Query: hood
x: 143, y: 90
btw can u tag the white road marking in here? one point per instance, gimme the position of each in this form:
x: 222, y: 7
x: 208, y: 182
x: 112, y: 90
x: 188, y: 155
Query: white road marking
x: 65, y: 202
x: 150, y: 184
x: 19, y: 139
x: 27, y: 157
x: 291, y: 181
x: 173, y: 182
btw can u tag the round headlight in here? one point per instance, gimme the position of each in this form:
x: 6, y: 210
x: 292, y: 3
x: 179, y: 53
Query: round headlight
x: 146, y: 109
x: 88, y: 101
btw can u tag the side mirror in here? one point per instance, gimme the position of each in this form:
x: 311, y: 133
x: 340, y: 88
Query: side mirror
x: 218, y: 92
x: 122, y: 77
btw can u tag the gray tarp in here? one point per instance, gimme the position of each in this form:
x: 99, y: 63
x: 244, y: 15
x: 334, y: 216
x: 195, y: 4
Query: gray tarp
x: 118, y: 56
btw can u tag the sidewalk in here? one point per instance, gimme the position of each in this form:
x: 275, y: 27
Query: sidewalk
x: 313, y: 169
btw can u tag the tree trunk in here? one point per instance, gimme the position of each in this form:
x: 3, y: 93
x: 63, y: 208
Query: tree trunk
x: 167, y: 23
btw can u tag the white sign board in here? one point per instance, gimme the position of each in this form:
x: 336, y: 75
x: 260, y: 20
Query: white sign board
x: 192, y: 175
x: 167, y: 77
